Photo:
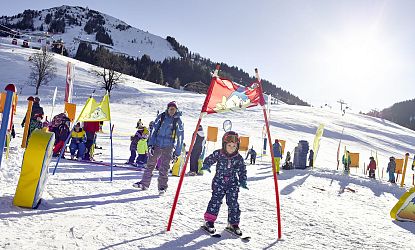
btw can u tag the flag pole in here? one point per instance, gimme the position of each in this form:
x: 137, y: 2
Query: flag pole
x: 277, y: 198
x: 182, y: 173
x: 338, y: 150
x: 112, y: 161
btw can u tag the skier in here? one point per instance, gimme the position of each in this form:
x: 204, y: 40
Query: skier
x: 311, y: 158
x: 91, y: 128
x: 230, y: 175
x: 197, y: 151
x: 168, y: 129
x: 133, y: 145
x: 391, y: 169
x: 35, y: 124
x: 78, y: 140
x: 252, y: 153
x: 413, y: 164
x: 60, y: 126
x: 346, y: 162
x: 276, y: 147
x: 372, y: 167
x: 36, y: 109
x: 142, y: 149
x: 287, y: 164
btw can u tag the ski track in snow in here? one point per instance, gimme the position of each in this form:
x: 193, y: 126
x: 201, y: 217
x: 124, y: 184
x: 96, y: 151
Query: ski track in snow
x: 82, y: 209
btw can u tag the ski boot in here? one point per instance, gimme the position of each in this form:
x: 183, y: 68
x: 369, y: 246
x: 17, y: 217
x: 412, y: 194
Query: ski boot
x: 234, y: 229
x: 209, y: 227
x: 139, y: 185
x: 162, y: 191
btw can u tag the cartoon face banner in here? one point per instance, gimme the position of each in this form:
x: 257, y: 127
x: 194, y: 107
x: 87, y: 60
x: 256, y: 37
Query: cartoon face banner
x: 224, y: 95
x: 94, y: 112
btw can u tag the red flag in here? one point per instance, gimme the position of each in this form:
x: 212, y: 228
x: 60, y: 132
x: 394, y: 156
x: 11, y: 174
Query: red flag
x: 224, y: 95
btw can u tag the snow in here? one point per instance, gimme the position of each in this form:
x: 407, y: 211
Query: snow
x: 82, y: 209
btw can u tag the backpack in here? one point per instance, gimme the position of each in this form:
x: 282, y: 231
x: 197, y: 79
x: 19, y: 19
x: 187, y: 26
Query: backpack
x: 162, y: 117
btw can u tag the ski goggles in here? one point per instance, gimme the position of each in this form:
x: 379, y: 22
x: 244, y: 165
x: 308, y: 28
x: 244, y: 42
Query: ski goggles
x: 231, y: 138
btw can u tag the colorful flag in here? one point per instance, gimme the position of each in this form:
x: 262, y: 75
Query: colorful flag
x: 95, y: 112
x: 224, y: 95
x: 316, y: 144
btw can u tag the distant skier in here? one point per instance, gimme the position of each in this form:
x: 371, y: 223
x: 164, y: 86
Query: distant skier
x: 346, y: 162
x: 197, y: 151
x: 276, y: 147
x: 166, y: 143
x: 391, y: 169
x: 142, y: 149
x: 252, y: 153
x: 36, y: 109
x: 311, y: 158
x: 91, y: 129
x: 230, y: 175
x: 139, y: 134
x: 60, y: 126
x: 78, y: 139
x: 35, y: 124
x: 287, y: 164
x: 371, y: 167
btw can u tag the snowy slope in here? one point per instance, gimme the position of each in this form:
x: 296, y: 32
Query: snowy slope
x: 132, y: 42
x: 83, y: 210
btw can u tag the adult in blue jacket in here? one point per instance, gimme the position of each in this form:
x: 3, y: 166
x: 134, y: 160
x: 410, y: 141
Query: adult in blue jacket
x: 166, y: 143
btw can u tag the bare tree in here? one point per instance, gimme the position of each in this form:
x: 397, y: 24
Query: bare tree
x: 42, y: 68
x: 110, y: 74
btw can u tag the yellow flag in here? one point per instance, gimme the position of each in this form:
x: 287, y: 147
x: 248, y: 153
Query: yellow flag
x: 316, y: 144
x: 96, y: 112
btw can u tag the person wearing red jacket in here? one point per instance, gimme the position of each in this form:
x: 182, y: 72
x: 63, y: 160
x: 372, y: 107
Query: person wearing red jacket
x: 91, y: 128
x: 371, y: 167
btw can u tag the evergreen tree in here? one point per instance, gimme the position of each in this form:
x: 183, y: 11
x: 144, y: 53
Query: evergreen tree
x: 156, y: 74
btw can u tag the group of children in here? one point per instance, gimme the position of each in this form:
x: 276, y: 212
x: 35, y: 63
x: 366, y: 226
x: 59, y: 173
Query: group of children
x: 371, y: 167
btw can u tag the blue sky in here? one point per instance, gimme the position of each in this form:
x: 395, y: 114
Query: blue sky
x: 360, y: 51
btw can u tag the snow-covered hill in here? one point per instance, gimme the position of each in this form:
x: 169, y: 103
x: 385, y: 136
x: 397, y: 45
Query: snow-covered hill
x: 83, y: 210
x: 127, y: 40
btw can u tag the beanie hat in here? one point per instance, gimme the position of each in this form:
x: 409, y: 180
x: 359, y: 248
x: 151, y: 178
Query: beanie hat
x: 172, y: 104
x: 37, y: 99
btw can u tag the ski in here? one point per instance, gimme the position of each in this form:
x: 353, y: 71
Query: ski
x: 243, y: 238
x: 214, y: 235
x: 102, y: 163
x: 129, y: 167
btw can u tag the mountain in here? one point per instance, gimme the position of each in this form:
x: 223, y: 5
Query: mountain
x: 402, y: 113
x: 77, y: 24
x: 84, y: 32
